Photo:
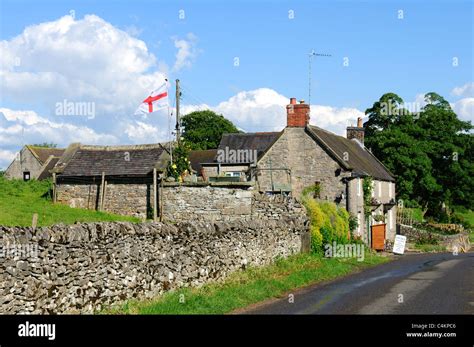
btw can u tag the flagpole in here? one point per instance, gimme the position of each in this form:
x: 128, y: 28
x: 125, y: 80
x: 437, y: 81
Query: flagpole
x: 178, y: 125
x: 169, y: 133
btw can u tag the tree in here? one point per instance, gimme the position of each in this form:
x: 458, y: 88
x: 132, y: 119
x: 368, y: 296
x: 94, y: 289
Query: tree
x: 204, y: 129
x: 430, y: 151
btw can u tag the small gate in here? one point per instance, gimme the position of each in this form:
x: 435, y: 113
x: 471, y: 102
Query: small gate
x: 378, y: 237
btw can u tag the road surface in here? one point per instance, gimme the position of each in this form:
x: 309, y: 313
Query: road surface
x: 435, y: 283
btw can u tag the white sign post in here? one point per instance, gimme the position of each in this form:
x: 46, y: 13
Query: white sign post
x: 399, y: 245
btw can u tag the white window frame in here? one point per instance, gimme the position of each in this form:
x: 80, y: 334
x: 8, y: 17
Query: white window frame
x: 232, y: 174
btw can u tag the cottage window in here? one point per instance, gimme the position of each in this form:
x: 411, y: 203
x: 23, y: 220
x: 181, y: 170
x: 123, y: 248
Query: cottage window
x: 232, y: 174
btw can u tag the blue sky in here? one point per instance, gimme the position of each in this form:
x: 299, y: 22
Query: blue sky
x: 410, y: 56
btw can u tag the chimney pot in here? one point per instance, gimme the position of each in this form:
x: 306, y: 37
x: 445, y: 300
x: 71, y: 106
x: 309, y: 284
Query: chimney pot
x: 297, y: 115
x: 356, y: 132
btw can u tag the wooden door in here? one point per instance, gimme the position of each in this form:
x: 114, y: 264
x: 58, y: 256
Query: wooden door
x: 378, y: 237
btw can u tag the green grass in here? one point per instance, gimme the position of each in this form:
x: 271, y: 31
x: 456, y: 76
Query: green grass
x: 250, y: 286
x: 417, y: 214
x: 466, y: 214
x: 20, y: 200
x: 428, y: 248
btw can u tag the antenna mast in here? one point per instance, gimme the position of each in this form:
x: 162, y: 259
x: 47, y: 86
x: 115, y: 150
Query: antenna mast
x: 311, y: 55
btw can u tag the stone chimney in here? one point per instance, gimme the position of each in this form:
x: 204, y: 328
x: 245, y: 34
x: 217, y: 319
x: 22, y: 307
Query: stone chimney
x: 297, y: 115
x: 356, y: 132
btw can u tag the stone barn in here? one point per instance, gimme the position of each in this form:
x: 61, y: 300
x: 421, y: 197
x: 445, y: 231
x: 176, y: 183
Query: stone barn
x: 116, y: 179
x: 33, y: 162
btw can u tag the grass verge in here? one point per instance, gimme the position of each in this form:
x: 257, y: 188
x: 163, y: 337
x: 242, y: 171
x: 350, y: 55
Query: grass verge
x: 250, y: 286
x: 20, y: 200
x: 430, y: 248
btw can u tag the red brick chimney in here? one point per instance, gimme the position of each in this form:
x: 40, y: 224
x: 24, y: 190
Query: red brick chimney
x: 297, y: 115
x: 357, y: 132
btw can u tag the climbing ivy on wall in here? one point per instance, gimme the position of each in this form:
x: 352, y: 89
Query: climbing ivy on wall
x: 367, y: 188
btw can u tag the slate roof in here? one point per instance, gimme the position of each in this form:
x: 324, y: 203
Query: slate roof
x: 47, y: 167
x: 85, y: 160
x: 43, y: 153
x: 198, y: 157
x: 360, y: 160
x: 260, y: 141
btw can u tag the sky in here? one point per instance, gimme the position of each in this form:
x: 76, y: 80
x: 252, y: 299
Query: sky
x: 243, y: 59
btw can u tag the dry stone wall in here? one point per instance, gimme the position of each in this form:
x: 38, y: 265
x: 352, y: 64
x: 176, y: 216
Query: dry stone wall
x: 206, y: 203
x: 83, y: 267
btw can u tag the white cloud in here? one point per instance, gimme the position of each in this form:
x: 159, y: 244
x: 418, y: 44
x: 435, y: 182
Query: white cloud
x: 140, y: 132
x: 464, y: 108
x: 80, y: 60
x: 264, y: 109
x: 6, y: 157
x: 466, y: 90
x: 335, y: 119
x: 187, y: 51
x: 18, y: 128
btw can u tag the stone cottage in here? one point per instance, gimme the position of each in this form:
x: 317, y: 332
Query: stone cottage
x: 33, y: 162
x: 303, y: 155
x: 117, y: 179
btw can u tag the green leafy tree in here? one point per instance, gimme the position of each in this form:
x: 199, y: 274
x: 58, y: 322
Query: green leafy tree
x: 430, y: 151
x: 204, y: 129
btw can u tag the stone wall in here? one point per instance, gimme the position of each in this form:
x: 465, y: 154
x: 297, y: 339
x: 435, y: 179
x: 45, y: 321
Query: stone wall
x: 457, y: 242
x: 209, y: 202
x: 206, y: 202
x: 225, y: 203
x: 120, y: 198
x: 83, y: 267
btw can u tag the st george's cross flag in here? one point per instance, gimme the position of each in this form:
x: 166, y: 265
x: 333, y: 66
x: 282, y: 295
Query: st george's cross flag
x: 157, y: 99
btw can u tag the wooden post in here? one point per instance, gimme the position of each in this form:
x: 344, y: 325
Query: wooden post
x: 34, y: 221
x: 101, y: 193
x: 54, y: 187
x: 155, y: 203
x: 161, y: 199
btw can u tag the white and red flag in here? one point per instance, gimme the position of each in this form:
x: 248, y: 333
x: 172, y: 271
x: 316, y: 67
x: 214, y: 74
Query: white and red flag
x: 157, y: 99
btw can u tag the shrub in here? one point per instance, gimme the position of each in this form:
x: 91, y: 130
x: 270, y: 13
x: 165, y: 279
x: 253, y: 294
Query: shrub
x: 328, y: 223
x: 316, y: 240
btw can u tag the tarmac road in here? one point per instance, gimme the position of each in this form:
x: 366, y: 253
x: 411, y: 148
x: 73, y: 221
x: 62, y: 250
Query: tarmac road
x: 434, y: 283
